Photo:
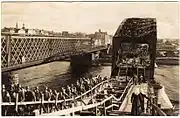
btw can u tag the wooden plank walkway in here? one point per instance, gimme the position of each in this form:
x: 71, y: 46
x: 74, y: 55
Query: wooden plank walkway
x: 127, y: 105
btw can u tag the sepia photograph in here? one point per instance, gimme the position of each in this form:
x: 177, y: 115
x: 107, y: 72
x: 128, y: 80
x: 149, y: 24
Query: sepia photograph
x: 90, y: 58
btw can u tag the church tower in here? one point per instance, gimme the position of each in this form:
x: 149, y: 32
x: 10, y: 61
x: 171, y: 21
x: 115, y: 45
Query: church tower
x: 16, y: 25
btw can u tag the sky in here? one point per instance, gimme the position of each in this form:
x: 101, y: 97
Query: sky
x: 89, y: 17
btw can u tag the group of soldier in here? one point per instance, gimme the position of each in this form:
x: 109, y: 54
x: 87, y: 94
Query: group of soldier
x: 17, y: 93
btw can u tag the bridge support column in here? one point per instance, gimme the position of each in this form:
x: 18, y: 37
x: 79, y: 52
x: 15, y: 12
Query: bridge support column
x: 81, y: 60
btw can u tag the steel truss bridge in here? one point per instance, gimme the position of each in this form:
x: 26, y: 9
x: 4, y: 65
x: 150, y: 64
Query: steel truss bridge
x: 22, y: 51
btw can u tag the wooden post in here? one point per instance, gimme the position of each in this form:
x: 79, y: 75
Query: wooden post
x: 16, y: 102
x: 126, y: 73
x: 104, y: 109
x: 96, y: 111
x: 8, y: 37
x: 81, y: 101
x: 56, y: 107
x: 73, y: 104
x: 112, y: 103
x: 63, y: 104
x: 42, y: 102
x: 95, y: 107
x: 92, y: 96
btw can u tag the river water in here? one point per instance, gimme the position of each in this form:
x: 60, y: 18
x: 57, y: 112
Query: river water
x: 58, y: 74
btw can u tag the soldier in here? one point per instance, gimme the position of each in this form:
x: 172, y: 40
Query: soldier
x: 82, y: 88
x: 21, y: 94
x: 46, y: 94
x: 37, y: 94
x: 86, y: 85
x: 29, y: 95
x: 93, y: 81
x: 135, y: 79
x: 65, y: 95
x: 5, y: 95
x: 55, y: 97
x: 60, y: 97
x: 105, y: 78
x: 12, y: 93
x: 47, y: 97
x: 52, y: 97
x: 68, y: 91
x: 89, y: 83
x: 21, y: 98
x: 78, y: 88
x: 99, y: 78
x: 73, y: 90
x: 140, y: 79
x: 5, y: 98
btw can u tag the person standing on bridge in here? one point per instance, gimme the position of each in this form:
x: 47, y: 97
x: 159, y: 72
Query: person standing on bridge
x: 37, y: 94
x: 29, y: 96
x: 61, y: 97
x: 135, y: 100
x: 12, y: 93
x: 65, y: 95
x: 73, y: 90
x: 78, y: 87
x: 21, y: 94
x: 68, y: 91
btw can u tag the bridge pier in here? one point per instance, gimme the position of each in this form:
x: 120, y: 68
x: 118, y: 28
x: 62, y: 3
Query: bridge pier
x: 81, y: 60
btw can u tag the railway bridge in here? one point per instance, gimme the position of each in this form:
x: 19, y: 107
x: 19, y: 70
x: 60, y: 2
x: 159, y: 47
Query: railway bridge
x: 19, y: 51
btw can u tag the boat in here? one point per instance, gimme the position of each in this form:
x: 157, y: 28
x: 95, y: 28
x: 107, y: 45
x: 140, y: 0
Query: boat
x: 132, y: 74
x: 167, y: 60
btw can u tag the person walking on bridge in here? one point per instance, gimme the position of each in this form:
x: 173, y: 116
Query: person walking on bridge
x: 135, y: 100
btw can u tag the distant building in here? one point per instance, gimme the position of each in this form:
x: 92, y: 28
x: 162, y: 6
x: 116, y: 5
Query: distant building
x: 101, y: 38
x: 65, y: 33
x: 80, y: 35
x: 23, y: 30
x: 32, y: 31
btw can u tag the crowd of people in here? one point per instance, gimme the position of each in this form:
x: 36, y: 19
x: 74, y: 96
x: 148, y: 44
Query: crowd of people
x: 25, y: 94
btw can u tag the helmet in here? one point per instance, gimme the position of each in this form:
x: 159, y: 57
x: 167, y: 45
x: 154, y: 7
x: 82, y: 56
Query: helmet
x: 27, y: 87
x: 3, y: 86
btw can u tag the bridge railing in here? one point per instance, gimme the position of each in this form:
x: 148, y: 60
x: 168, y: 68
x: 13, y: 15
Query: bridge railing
x: 92, y: 93
x: 73, y: 100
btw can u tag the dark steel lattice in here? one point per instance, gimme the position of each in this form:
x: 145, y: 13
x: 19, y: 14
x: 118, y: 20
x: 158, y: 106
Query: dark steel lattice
x: 15, y: 49
x: 4, y: 53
